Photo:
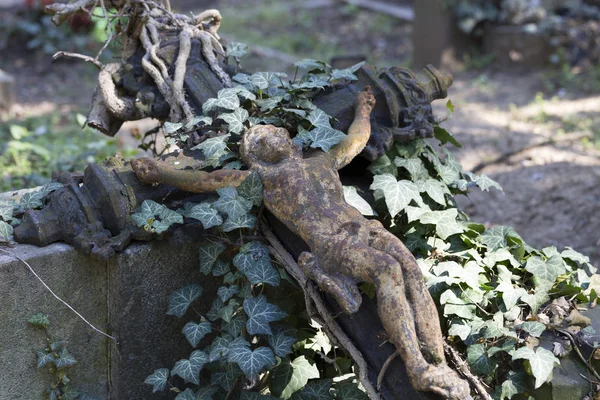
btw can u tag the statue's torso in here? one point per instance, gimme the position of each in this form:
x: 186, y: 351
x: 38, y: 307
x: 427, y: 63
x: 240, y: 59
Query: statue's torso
x: 307, y: 195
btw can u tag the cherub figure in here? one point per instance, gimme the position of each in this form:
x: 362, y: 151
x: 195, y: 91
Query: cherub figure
x: 305, y: 193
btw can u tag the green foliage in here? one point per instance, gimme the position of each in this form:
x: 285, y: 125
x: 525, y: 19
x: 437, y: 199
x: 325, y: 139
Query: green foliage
x: 489, y: 283
x: 155, y: 217
x: 35, y: 149
x: 246, y: 344
x: 57, y: 359
x: 266, y: 97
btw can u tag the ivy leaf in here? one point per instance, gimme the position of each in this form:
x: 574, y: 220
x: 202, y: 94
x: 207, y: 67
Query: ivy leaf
x: 347, y: 73
x: 534, y: 328
x: 235, y: 49
x: 535, y: 300
x: 316, y: 389
x: 235, y: 325
x: 255, y: 262
x: 172, y: 127
x: 214, y: 313
x: 496, y: 237
x: 64, y: 358
x: 479, y: 360
x: 221, y: 268
x: 6, y: 210
x: 460, y: 328
x: 542, y: 362
x: 323, y: 137
x: 281, y: 343
x: 187, y: 394
x: 213, y: 149
x: 231, y: 203
x: 435, y: 189
x: 226, y: 98
x: 245, y: 221
x: 236, y: 119
x: 197, y: 120
x: 510, y: 294
x: 456, y: 306
x: 311, y: 65
x: 252, y: 188
x: 260, y: 313
x: 318, y: 118
x: 353, y: 198
x: 219, y: 348
x: 155, y: 216
x: 269, y: 103
x: 348, y: 390
x: 209, y: 253
x: 226, y: 292
x: 189, y: 369
x: 486, y: 183
x: 313, y: 81
x: 31, y: 200
x: 206, y: 214
x: 575, y: 256
x: 6, y: 231
x: 414, y: 166
x: 515, y: 384
x: 444, y: 136
x: 545, y: 273
x: 44, y: 358
x: 262, y: 80
x: 289, y: 377
x: 226, y: 379
x: 397, y: 194
x: 194, y: 332
x: 250, y: 362
x: 40, y: 320
x: 383, y: 165
x: 180, y: 300
x: 206, y: 393
x: 445, y: 222
x: 158, y: 379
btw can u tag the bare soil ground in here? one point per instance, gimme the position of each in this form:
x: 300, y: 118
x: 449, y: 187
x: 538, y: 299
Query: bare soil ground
x: 551, y: 192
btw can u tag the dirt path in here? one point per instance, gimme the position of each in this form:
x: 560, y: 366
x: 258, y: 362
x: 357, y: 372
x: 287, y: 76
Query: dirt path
x: 551, y: 193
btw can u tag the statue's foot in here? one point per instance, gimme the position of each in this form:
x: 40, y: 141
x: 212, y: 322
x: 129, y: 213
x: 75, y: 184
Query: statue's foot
x: 146, y: 170
x: 443, y: 381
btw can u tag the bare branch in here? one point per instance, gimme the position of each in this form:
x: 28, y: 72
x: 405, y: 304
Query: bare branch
x: 83, y: 57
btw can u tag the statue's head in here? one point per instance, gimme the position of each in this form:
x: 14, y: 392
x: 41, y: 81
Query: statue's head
x: 268, y: 144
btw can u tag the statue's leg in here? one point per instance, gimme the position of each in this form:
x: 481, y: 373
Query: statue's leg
x: 400, y: 315
x: 341, y: 287
x: 354, y: 258
x: 426, y: 316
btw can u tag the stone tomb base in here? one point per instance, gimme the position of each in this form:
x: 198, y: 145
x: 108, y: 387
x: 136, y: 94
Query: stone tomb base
x: 126, y: 297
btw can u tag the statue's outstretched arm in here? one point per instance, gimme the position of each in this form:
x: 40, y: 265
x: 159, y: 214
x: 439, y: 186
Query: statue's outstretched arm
x: 359, y: 131
x: 151, y: 171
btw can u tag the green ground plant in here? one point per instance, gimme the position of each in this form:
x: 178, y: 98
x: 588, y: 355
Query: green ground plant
x: 33, y: 150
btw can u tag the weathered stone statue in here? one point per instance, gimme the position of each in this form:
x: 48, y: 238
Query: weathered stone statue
x: 305, y: 193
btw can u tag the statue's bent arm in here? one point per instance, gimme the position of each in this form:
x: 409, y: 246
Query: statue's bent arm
x: 358, y: 133
x: 151, y: 171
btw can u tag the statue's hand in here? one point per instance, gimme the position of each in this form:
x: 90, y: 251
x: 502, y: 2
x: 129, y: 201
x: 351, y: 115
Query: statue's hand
x: 146, y: 170
x: 364, y: 103
x: 340, y: 286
